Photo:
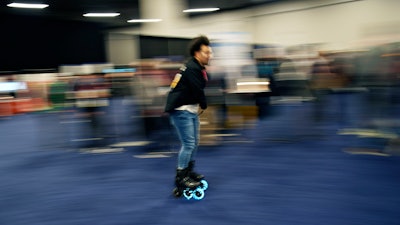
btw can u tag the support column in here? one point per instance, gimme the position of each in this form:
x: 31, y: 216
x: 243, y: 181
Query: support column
x: 170, y: 11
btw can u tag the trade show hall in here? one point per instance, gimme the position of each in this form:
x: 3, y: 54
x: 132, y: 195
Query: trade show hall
x: 297, y: 102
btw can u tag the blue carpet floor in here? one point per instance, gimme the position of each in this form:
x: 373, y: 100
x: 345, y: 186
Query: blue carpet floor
x: 290, y: 170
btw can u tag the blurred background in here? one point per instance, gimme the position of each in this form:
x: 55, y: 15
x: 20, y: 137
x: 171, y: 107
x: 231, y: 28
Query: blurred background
x: 302, y: 125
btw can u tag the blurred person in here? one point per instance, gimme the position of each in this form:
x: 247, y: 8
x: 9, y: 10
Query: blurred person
x: 266, y: 69
x: 183, y: 102
x: 321, y: 81
x: 91, y: 95
x: 57, y: 93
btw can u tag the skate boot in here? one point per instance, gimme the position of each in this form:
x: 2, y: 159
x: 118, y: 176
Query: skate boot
x: 186, y: 186
x: 183, y: 179
x: 196, y: 176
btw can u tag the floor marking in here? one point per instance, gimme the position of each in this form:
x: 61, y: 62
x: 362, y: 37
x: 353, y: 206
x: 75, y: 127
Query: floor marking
x: 368, y: 133
x: 166, y: 152
x: 131, y: 144
x: 151, y: 156
x: 102, y: 150
x: 366, y: 152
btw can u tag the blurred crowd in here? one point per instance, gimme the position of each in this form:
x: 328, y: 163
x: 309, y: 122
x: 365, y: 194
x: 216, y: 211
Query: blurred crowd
x: 239, y: 94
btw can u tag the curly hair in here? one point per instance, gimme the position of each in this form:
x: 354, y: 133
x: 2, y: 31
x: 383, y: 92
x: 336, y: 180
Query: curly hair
x: 196, y: 43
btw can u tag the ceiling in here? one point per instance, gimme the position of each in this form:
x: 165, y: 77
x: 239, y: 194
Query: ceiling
x: 129, y: 9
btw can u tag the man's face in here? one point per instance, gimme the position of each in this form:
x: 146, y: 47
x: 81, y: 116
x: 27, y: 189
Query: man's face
x: 203, y: 55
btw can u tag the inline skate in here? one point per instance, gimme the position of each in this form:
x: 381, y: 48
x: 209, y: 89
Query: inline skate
x: 188, y: 187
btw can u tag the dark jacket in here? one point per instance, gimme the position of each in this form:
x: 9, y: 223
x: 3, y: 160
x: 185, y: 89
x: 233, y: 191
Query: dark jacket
x: 188, y: 87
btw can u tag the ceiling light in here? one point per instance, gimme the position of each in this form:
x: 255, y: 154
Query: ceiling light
x: 27, y: 5
x: 101, y: 14
x: 144, y: 20
x: 200, y: 10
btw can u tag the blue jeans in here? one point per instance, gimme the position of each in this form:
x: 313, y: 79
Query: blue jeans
x: 187, y: 126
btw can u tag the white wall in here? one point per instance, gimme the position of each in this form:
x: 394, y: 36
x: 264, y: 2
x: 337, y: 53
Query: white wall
x: 339, y: 23
x: 121, y: 48
x: 342, y: 24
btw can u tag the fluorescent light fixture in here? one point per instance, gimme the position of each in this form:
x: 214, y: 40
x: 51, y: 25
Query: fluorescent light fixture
x: 144, y: 20
x: 200, y: 10
x: 101, y: 14
x: 27, y: 5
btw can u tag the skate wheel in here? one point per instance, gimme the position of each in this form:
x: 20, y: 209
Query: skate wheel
x: 198, y: 194
x: 188, y: 194
x: 204, y: 185
x: 177, y: 193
